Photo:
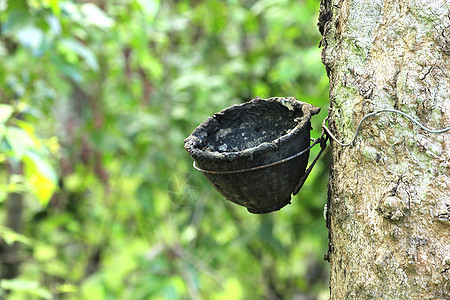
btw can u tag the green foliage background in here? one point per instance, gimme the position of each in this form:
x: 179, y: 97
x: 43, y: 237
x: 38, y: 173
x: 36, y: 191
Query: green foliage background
x: 96, y: 100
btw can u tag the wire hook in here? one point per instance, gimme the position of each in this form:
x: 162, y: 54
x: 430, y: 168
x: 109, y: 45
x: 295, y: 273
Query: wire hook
x: 372, y: 114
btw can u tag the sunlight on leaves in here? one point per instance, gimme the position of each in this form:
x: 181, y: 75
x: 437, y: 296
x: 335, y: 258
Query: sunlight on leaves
x: 95, y: 16
x: 232, y: 290
x: 31, y: 37
x: 44, y: 252
x: 41, y: 177
x: 5, y: 112
x: 149, y: 7
x: 19, y: 141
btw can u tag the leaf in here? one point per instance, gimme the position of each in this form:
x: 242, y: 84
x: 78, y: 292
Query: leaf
x: 41, y: 177
x: 30, y: 287
x: 44, y: 252
x: 19, y: 141
x: 153, y: 65
x: 67, y: 288
x: 71, y: 71
x: 54, y: 5
x: 5, y: 112
x: 10, y: 236
x: 232, y: 290
x: 93, y: 288
x: 78, y: 48
x: 54, y: 24
x: 31, y: 37
x: 95, y: 16
x: 17, y: 15
x: 149, y: 7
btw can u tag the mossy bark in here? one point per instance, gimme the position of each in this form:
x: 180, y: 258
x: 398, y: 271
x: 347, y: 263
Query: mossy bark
x: 389, y: 193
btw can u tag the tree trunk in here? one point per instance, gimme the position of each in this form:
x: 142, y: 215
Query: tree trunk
x: 10, y: 254
x: 389, y: 193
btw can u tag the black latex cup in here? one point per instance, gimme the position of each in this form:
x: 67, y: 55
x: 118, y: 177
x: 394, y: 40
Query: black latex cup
x: 257, y: 133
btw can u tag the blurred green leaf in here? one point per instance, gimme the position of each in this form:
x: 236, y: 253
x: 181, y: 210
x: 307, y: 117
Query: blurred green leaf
x: 149, y: 7
x: 44, y: 252
x: 40, y: 175
x: 10, y: 236
x: 19, y: 141
x: 54, y: 5
x: 93, y: 289
x: 95, y: 16
x: 232, y: 290
x: 31, y: 37
x: 17, y: 14
x: 5, y: 112
x: 71, y: 47
x: 30, y: 288
x: 54, y: 23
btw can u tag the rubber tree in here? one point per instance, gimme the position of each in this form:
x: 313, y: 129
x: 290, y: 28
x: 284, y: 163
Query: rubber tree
x: 389, y: 192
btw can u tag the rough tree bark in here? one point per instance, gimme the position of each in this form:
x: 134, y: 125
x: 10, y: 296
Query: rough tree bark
x: 389, y: 193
